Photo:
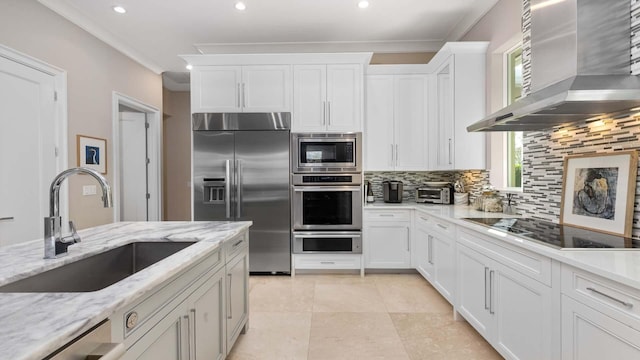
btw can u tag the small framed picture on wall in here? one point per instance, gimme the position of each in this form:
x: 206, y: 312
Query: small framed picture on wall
x: 599, y: 191
x: 92, y: 153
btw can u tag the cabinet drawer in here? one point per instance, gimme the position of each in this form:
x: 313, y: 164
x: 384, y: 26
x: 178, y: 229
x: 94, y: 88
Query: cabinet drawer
x: 387, y: 215
x: 157, y: 304
x: 534, y: 265
x: 328, y: 261
x: 432, y: 223
x: 609, y: 297
x: 234, y: 246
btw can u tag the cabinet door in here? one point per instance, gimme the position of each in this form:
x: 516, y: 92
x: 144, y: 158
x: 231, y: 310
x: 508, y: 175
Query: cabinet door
x: 522, y: 309
x: 209, y: 313
x: 169, y: 339
x: 309, y: 98
x: 237, y: 296
x: 216, y: 89
x: 387, y: 246
x: 444, y: 265
x: 444, y: 119
x: 378, y: 149
x: 588, y: 334
x: 421, y: 256
x: 473, y: 289
x: 410, y: 117
x: 266, y: 88
x: 344, y: 97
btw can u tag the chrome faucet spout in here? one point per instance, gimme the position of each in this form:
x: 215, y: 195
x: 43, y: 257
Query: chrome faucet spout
x: 54, y: 243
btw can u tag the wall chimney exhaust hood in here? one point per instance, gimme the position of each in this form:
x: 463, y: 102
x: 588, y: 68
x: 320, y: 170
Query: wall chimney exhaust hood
x: 580, y: 65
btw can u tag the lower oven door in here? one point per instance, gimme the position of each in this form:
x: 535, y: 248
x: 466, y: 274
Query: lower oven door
x: 326, y: 208
x: 334, y: 242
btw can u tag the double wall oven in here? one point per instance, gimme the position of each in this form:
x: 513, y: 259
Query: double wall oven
x: 326, y: 193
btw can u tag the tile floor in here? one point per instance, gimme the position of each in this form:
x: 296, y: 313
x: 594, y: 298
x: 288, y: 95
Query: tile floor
x: 330, y: 317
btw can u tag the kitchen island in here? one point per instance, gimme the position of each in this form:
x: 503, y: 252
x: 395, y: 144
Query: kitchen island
x: 33, y: 325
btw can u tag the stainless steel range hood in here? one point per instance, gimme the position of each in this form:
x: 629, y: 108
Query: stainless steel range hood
x: 580, y: 66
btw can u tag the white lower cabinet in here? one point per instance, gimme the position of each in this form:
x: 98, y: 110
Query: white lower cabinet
x: 198, y: 314
x: 386, y: 239
x: 510, y: 310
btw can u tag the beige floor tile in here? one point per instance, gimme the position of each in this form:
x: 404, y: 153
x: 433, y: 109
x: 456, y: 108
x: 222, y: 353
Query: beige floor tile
x: 409, y: 294
x: 279, y: 294
x: 347, y: 298
x: 276, y: 336
x: 335, y: 279
x: 352, y: 336
x: 438, y: 337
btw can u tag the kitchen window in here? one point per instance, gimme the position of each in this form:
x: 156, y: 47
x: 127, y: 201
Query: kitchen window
x: 513, y: 153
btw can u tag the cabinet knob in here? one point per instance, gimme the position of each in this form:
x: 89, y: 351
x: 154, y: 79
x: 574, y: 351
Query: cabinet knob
x: 132, y: 320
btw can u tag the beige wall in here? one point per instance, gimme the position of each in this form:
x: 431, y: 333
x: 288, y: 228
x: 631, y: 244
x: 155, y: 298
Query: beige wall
x: 177, y: 155
x: 501, y: 26
x: 401, y: 58
x: 94, y: 71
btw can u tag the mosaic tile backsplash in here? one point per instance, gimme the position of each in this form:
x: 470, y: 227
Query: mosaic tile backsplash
x: 544, y: 152
x: 473, y: 181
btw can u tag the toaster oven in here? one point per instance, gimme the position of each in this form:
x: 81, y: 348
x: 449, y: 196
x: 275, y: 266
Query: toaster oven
x: 436, y: 193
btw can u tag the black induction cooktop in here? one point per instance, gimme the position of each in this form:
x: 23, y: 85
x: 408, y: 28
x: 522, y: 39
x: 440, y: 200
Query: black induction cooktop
x: 556, y: 235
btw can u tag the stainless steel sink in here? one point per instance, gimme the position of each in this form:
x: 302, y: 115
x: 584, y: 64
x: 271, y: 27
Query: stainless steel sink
x: 98, y: 271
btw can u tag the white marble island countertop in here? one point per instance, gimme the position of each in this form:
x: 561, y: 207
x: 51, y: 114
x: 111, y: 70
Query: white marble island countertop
x: 32, y: 325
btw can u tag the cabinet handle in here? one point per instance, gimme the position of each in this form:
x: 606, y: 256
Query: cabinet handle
x: 327, y: 262
x: 192, y: 334
x: 6, y: 218
x: 623, y: 303
x: 450, y: 161
x: 392, y: 156
x: 486, y: 272
x: 230, y: 306
x: 430, y: 249
x: 386, y: 215
x: 184, y: 348
x: 329, y: 113
x: 237, y: 243
x: 238, y: 96
x: 491, y: 292
x: 397, y: 154
x: 442, y: 226
x: 324, y: 113
x: 423, y: 218
x: 408, y: 243
x: 244, y: 97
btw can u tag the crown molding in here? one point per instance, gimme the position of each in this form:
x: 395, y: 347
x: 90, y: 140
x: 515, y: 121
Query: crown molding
x: 401, y: 46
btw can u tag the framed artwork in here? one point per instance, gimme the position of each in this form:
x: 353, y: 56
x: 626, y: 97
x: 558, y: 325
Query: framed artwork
x: 599, y: 191
x: 92, y: 153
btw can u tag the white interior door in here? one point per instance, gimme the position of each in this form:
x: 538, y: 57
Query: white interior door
x: 27, y: 150
x: 133, y: 167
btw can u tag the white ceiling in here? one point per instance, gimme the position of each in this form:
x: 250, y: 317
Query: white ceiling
x: 155, y: 32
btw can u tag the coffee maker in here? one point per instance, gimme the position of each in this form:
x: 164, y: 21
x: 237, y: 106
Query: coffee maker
x: 392, y: 190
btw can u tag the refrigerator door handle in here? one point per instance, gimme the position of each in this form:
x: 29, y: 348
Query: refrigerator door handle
x: 227, y: 187
x: 239, y: 187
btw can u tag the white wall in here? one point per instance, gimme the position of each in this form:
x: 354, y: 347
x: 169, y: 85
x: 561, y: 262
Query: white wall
x: 94, y: 71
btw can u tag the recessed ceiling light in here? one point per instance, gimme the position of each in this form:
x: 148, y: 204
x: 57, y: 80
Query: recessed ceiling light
x: 119, y: 9
x: 240, y: 5
x: 363, y: 4
x: 189, y: 66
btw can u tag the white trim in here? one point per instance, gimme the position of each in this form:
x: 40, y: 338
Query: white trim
x: 61, y: 125
x: 155, y: 147
x: 72, y: 14
x: 363, y: 58
x: 400, y: 46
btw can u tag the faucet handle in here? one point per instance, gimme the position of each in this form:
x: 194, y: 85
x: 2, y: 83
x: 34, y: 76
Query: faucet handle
x: 74, y: 237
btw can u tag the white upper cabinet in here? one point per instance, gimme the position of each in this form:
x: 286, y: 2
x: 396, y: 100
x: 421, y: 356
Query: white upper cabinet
x: 254, y: 88
x: 396, y: 122
x: 458, y: 101
x: 327, y: 98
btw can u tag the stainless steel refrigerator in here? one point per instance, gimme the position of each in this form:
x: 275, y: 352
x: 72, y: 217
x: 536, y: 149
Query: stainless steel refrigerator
x: 241, y: 172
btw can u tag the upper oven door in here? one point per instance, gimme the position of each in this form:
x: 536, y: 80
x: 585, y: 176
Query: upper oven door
x: 327, y: 208
x: 326, y: 152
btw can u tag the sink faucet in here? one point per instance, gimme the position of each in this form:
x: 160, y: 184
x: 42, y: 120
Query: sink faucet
x: 55, y: 245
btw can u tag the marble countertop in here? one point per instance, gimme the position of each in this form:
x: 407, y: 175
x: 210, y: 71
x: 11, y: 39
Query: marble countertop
x: 619, y: 265
x: 32, y: 325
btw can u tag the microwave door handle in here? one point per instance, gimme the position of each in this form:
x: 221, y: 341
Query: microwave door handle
x: 333, y: 236
x: 325, y: 188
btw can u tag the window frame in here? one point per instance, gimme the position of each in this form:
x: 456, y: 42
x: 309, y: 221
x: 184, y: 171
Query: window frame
x: 508, y: 141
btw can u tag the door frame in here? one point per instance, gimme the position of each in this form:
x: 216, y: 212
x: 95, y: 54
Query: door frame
x: 154, y: 150
x: 60, y: 117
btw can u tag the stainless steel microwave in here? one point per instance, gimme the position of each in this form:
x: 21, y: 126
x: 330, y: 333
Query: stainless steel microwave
x: 326, y: 152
